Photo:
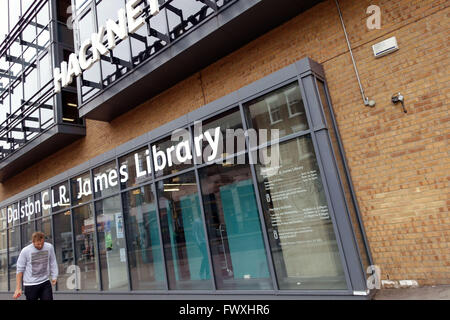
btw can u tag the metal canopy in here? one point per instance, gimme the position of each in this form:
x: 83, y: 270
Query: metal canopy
x: 52, y: 140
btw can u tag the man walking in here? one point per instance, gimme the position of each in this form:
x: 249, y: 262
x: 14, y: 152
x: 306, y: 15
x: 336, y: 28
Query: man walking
x: 36, y: 263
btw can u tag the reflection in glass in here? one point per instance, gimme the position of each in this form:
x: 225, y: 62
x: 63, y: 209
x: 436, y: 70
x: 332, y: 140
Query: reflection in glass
x: 185, y: 15
x: 45, y: 225
x: 300, y: 230
x: 81, y: 188
x: 60, y: 197
x: 86, y: 28
x: 231, y: 139
x: 14, y: 251
x: 111, y: 240
x: 106, y: 180
x: 64, y: 251
x: 3, y: 260
x: 85, y: 247
x: 172, y: 156
x: 111, y: 71
x: 183, y: 234
x: 3, y: 219
x: 282, y: 109
x: 144, y: 247
x: 27, y: 230
x: 132, y: 164
x: 143, y: 44
x: 236, y: 242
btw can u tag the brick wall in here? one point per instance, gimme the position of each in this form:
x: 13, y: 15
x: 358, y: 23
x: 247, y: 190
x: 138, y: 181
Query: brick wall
x: 399, y: 162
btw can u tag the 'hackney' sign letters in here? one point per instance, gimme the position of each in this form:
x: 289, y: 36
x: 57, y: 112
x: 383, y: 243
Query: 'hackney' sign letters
x: 129, y: 21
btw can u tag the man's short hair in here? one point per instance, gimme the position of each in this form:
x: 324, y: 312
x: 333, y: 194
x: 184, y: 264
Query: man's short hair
x: 37, y: 236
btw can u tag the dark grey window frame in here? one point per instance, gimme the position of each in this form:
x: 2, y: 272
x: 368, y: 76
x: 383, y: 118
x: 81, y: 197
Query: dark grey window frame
x: 305, y: 72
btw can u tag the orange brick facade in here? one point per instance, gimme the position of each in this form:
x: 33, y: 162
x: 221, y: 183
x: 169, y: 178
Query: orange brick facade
x: 399, y: 163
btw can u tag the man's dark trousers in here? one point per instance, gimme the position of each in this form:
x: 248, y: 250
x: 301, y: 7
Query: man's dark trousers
x: 41, y: 291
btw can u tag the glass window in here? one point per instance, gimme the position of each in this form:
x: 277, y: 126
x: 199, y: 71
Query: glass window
x: 27, y: 209
x: 234, y: 227
x: 45, y: 70
x: 68, y: 273
x: 172, y: 156
x: 144, y: 247
x: 86, y: 28
x: 47, y: 114
x: 86, y: 247
x: 45, y: 225
x: 14, y: 13
x: 132, y: 165
x: 106, y: 180
x: 13, y: 215
x: 183, y: 234
x: 81, y: 189
x: 46, y: 202
x: 14, y: 251
x: 111, y: 239
x: 186, y: 15
x: 231, y: 138
x: 282, y: 110
x: 27, y: 230
x: 300, y: 230
x: 3, y: 261
x: 3, y: 219
x: 145, y: 44
x: 107, y: 9
x: 60, y: 197
x: 43, y: 16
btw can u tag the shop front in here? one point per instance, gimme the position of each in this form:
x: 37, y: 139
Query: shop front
x: 247, y: 196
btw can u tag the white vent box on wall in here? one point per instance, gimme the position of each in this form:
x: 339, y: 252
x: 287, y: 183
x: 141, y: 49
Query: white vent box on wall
x: 385, y: 47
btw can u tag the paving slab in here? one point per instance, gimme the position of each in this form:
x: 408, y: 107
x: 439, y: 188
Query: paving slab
x: 421, y: 293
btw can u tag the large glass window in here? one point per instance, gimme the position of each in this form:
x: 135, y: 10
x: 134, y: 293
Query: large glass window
x: 27, y: 230
x: 111, y: 71
x: 282, y: 109
x: 81, y: 188
x: 14, y: 251
x: 45, y: 225
x: 68, y: 274
x: 300, y: 230
x: 3, y: 253
x: 231, y: 138
x: 144, y: 246
x: 60, y: 197
x: 90, y: 77
x: 111, y: 239
x: 86, y: 247
x: 135, y: 167
x: 183, y: 234
x: 106, y: 180
x: 171, y: 156
x: 236, y: 241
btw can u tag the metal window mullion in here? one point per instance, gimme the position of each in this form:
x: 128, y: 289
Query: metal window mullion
x: 205, y: 229
x: 99, y: 266
x: 269, y: 257
x: 124, y: 231
x: 7, y: 256
x: 346, y: 168
x: 326, y: 187
x: 158, y: 219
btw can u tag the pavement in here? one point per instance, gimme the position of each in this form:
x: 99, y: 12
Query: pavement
x: 421, y: 293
